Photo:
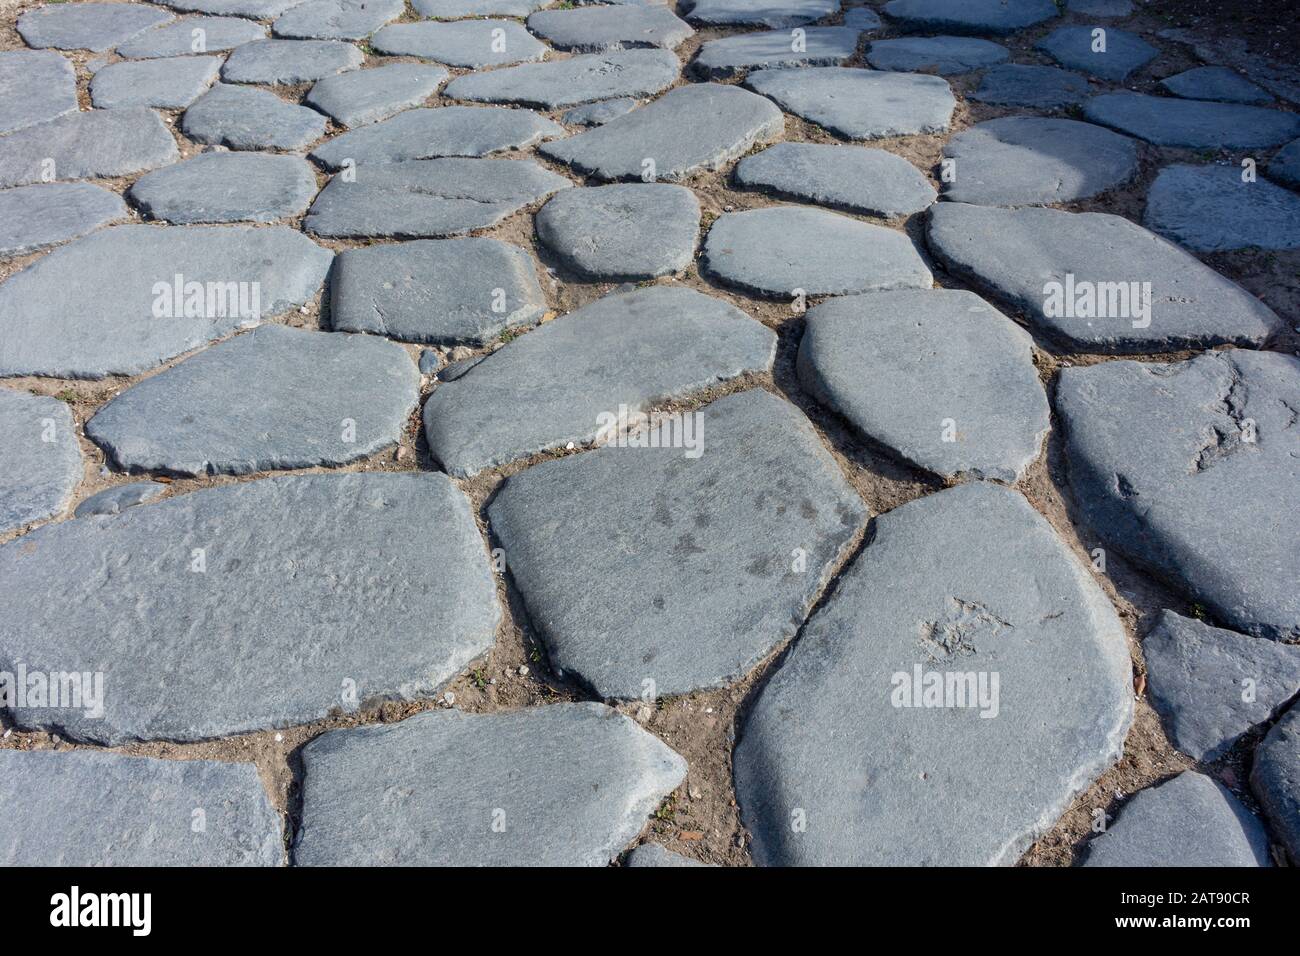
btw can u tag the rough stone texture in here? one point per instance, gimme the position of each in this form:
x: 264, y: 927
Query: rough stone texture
x: 870, y: 181
x: 1276, y: 780
x: 1210, y: 209
x: 943, y: 55
x: 35, y: 86
x: 625, y: 231
x: 636, y: 349
x: 600, y: 29
x: 429, y: 197
x: 117, y: 499
x: 429, y: 133
x: 694, y: 555
x: 1039, y: 87
x: 694, y: 127
x: 863, y: 19
x: 102, y: 809
x: 598, y: 114
x: 728, y: 56
x: 571, y: 784
x: 289, y: 61
x: 304, y: 399
x: 337, y: 19
x: 40, y: 458
x: 179, y: 38
x: 1285, y: 165
x: 1199, y: 677
x: 1216, y: 83
x: 1190, y: 820
x: 1168, y: 121
x: 171, y: 83
x: 242, y: 117
x: 783, y: 13
x: 990, y: 589
x: 904, y: 366
x: 227, y: 187
x: 1163, y: 465
x: 1034, y: 160
x: 466, y: 43
x: 765, y: 251
x: 1017, y: 253
x: 860, y: 104
x: 87, y: 26
x: 95, y: 144
x: 315, y: 589
x: 438, y: 291
x: 256, y: 9
x: 87, y: 309
x: 651, y: 854
x: 1072, y: 47
x: 578, y: 79
x: 367, y: 96
x: 970, y: 16
x: 33, y: 217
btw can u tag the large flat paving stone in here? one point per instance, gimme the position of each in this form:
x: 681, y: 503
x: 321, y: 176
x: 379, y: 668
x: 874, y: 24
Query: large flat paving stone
x: 578, y: 79
x: 304, y: 399
x: 254, y: 9
x: 774, y: 49
x: 780, y: 249
x: 694, y: 127
x: 87, y: 26
x: 558, y: 785
x: 673, y: 573
x: 117, y: 499
x: 367, y: 96
x: 946, y: 56
x: 775, y: 14
x: 249, y: 606
x: 1215, y: 83
x: 1285, y: 165
x: 85, y: 808
x: 1079, y: 276
x: 227, y: 187
x: 472, y: 44
x: 1189, y: 820
x: 1212, y: 685
x: 1169, y: 121
x: 882, y: 733
x: 1275, y: 780
x: 938, y: 375
x: 431, y: 133
x: 41, y: 463
x: 1181, y: 467
x: 971, y: 16
x: 599, y: 29
x: 95, y: 144
x: 860, y: 104
x: 445, y: 292
x: 864, y: 19
x: 456, y: 9
x: 1211, y: 209
x: 635, y: 349
x: 171, y: 83
x: 1035, y: 160
x: 624, y: 231
x: 1078, y: 48
x: 33, y: 217
x: 599, y: 113
x: 1038, y: 87
x: 244, y: 117
x: 105, y: 304
x: 192, y: 35
x: 870, y: 181
x: 429, y: 197
x: 289, y: 61
x: 35, y: 86
x: 336, y: 19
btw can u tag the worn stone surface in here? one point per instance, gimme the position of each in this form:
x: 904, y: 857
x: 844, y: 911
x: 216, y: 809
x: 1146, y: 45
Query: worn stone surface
x: 437, y: 291
x: 289, y: 61
x: 243, y: 117
x: 33, y: 217
x: 85, y: 808
x: 1026, y: 258
x: 95, y: 144
x: 429, y: 133
x: 1285, y: 165
x: 171, y: 83
x: 1181, y: 466
x: 624, y: 231
x: 1074, y: 47
x: 117, y: 499
x: 652, y: 854
x: 256, y: 9
x: 870, y: 181
x: 635, y: 349
x: 192, y: 35
x: 599, y: 29
x: 1275, y: 780
x: 336, y: 19
x: 87, y: 26
x: 1168, y: 121
x: 863, y: 19
x: 860, y: 104
x: 1216, y: 83
x: 387, y: 573
x: 728, y: 56
x: 577, y: 79
x: 597, y: 114
x: 1100, y: 8
x: 970, y: 16
x: 572, y: 784
x: 90, y: 308
x: 1040, y: 87
x: 455, y: 9
x: 943, y: 55
x: 693, y: 553
x: 35, y: 86
x: 783, y: 13
x: 367, y: 96
x: 1211, y: 209
x: 990, y: 589
x: 466, y: 43
x: 764, y: 251
x: 227, y: 187
x: 40, y: 458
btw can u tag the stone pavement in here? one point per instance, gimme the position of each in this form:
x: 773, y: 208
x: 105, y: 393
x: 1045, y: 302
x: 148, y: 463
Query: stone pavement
x: 508, y: 432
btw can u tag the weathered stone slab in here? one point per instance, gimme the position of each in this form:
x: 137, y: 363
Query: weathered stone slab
x: 599, y: 29
x: 775, y: 49
x: 862, y: 19
x: 227, y: 187
x: 192, y: 35
x: 117, y: 499
x: 171, y: 83
x: 1167, y: 121
x: 1216, y: 83
x: 597, y: 114
x: 35, y: 86
x: 33, y: 217
x: 1041, y: 87
x: 945, y: 56
x: 289, y: 61
x: 456, y: 9
x: 472, y: 44
x: 1080, y: 48
x: 41, y: 462
x: 778, y: 14
x: 651, y: 854
x: 577, y: 79
x: 675, y: 573
x: 871, y: 181
x: 1276, y: 780
x: 429, y: 133
x: 991, y: 594
x: 1285, y: 165
x: 256, y: 9
x: 95, y: 144
x: 970, y: 16
x: 1211, y: 209
x: 367, y: 96
x: 243, y: 117
x: 336, y: 19
x: 87, y: 26
x: 860, y: 104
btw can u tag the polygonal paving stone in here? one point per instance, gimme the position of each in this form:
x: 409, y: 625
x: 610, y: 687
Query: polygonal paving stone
x: 336, y: 19
x: 472, y: 44
x: 956, y: 773
x: 227, y: 187
x: 194, y: 35
x: 1075, y: 47
x: 599, y: 29
x: 1079, y: 276
x: 1211, y: 209
x: 1190, y: 820
x: 635, y: 349
x: 289, y: 61
x: 243, y: 117
x: 1042, y: 87
x: 1215, y: 83
x: 694, y: 127
x: 95, y: 144
x: 860, y: 104
x: 1168, y: 121
x: 33, y: 217
x: 86, y: 808
x: 367, y: 96
x: 862, y: 19
x: 430, y: 133
x: 777, y: 14
x: 575, y: 80
x: 939, y: 376
x: 35, y: 86
x: 117, y: 499
x: 456, y: 9
x: 558, y: 785
x: 626, y: 231
x: 429, y: 197
x: 1026, y: 160
x: 171, y: 83
x: 1276, y: 780
x: 780, y: 249
x: 1285, y: 165
x: 1181, y: 466
x: 651, y: 854
x: 387, y: 573
x: 41, y: 462
x: 106, y: 303
x: 943, y: 55
x: 449, y: 292
x: 847, y: 177
x: 87, y: 26
x: 820, y: 46
x: 597, y: 114
x: 676, y: 571
x: 1212, y: 685
x: 256, y: 9
x: 971, y: 16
